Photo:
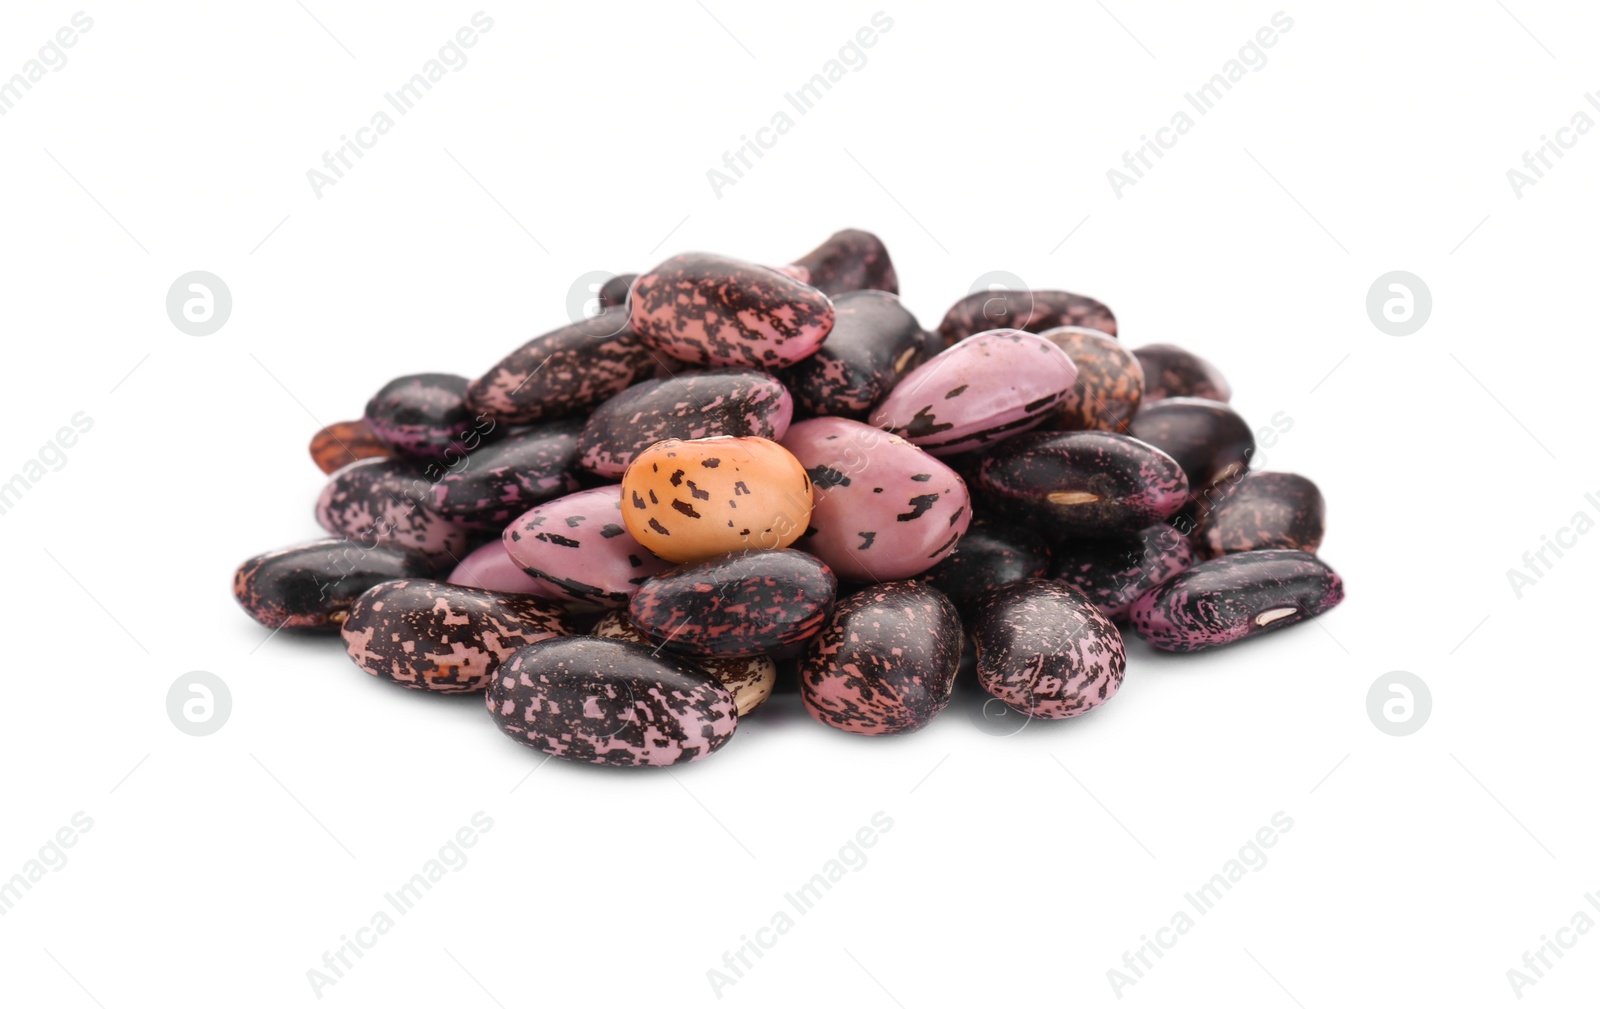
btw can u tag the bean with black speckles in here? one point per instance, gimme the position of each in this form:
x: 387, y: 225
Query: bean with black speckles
x: 1082, y: 484
x: 749, y: 678
x: 981, y: 391
x: 1045, y: 649
x: 386, y: 502
x: 886, y: 662
x: 874, y: 342
x: 578, y: 548
x: 603, y: 701
x: 687, y: 500
x: 1110, y: 382
x: 992, y: 553
x: 1262, y: 511
x: 1030, y: 311
x: 313, y: 585
x: 734, y: 402
x: 345, y: 442
x: 738, y: 604
x: 614, y: 292
x: 499, y: 482
x: 721, y: 312
x: 564, y: 371
x: 850, y: 260
x: 425, y: 417
x: 884, y: 508
x: 429, y: 635
x: 1172, y: 371
x: 1238, y: 596
x: 1114, y: 572
x: 1208, y: 439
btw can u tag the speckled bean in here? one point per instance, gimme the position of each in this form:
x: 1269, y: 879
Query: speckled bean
x: 1114, y: 572
x: 564, y: 371
x: 1208, y: 439
x: 721, y: 312
x: 850, y: 260
x: 738, y: 604
x: 1239, y: 596
x: 734, y: 402
x: 384, y: 502
x: 1262, y: 511
x: 602, y: 701
x: 979, y: 392
x: 1045, y: 649
x: 874, y: 341
x: 1031, y: 311
x: 886, y: 662
x: 1082, y: 483
x: 577, y: 548
x: 1110, y: 382
x: 449, y: 639
x: 1172, y: 371
x: 313, y: 585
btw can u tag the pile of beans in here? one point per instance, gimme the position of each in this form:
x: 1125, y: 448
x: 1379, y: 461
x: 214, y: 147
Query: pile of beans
x: 628, y: 531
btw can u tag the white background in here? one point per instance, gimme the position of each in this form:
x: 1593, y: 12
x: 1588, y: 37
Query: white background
x: 977, y: 137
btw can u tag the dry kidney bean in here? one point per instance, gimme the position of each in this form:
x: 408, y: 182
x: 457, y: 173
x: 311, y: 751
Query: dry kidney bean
x: 873, y: 343
x: 849, y: 261
x: 1082, y: 484
x: 1238, y: 596
x: 884, y: 508
x: 735, y: 402
x: 886, y: 662
x: 687, y: 500
x: 979, y: 392
x: 313, y: 585
x: 501, y: 481
x: 720, y: 312
x: 1261, y: 511
x: 425, y: 417
x: 1045, y: 649
x: 348, y: 441
x: 1173, y: 371
x: 737, y: 604
x: 384, y: 502
x: 1110, y: 382
x: 603, y: 701
x: 564, y: 371
x: 1031, y: 311
x: 1209, y: 440
x: 449, y: 639
x: 577, y: 548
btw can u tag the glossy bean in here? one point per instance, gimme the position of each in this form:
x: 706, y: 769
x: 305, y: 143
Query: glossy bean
x: 426, y: 417
x: 884, y: 509
x: 313, y: 585
x: 733, y: 402
x: 1082, y: 484
x: 1262, y: 511
x: 1045, y: 649
x: 886, y: 661
x: 1172, y: 371
x: 386, y: 502
x: 345, y: 442
x: 720, y: 312
x: 1208, y: 439
x: 738, y: 604
x: 429, y: 635
x: 688, y: 500
x: 981, y: 391
x: 1110, y: 382
x: 1030, y: 311
x: 1238, y: 596
x: 501, y: 481
x: 564, y: 371
x: 578, y: 548
x: 850, y: 260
